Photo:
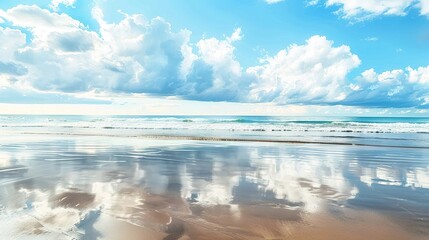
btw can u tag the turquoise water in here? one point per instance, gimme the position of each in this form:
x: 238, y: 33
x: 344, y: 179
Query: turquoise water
x: 234, y: 122
x: 217, y: 119
x: 386, y: 131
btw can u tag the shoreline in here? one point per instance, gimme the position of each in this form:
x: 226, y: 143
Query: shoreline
x: 220, y: 139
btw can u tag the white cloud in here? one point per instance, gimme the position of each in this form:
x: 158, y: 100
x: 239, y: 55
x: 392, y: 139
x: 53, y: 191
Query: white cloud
x: 371, y: 39
x: 273, y: 1
x: 391, y: 77
x: 311, y: 73
x: 395, y: 88
x: 235, y: 36
x: 135, y: 55
x: 370, y: 8
x: 56, y: 3
x: 212, y: 73
x: 424, y: 7
x: 48, y: 29
x: 142, y: 55
x: 39, y: 20
x: 139, y: 55
x: 57, y: 56
x: 150, y: 58
x: 312, y: 2
x: 419, y: 75
x: 219, y: 53
x: 11, y: 41
x: 369, y: 75
x: 355, y: 10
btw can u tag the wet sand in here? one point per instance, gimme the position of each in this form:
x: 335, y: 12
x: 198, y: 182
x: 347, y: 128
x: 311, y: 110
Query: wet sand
x: 63, y: 187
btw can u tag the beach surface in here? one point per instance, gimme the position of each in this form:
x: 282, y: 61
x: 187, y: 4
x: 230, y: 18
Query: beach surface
x: 83, y: 186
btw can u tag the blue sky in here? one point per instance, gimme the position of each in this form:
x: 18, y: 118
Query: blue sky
x: 356, y: 56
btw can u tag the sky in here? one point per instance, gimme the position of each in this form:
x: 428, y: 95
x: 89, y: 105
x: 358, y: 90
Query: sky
x: 215, y: 57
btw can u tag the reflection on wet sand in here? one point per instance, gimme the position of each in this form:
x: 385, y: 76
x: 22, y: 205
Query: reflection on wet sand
x: 103, y: 188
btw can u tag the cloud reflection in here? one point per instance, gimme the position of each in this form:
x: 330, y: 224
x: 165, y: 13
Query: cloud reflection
x: 86, y: 188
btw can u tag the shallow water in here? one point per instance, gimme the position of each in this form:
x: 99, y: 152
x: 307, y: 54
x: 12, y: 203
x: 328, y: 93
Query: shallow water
x: 88, y: 187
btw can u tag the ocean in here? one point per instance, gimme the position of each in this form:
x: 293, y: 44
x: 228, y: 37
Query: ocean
x: 386, y: 131
x: 213, y: 177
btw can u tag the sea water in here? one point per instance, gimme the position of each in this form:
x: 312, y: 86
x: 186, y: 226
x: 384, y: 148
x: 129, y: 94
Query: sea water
x: 394, y: 131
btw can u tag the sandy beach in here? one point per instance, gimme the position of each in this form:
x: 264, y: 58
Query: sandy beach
x: 88, y: 187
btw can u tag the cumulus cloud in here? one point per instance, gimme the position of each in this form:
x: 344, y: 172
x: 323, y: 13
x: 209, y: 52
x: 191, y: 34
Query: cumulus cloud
x: 394, y: 88
x: 368, y: 9
x: 311, y: 73
x: 39, y: 20
x: 419, y: 75
x: 135, y: 55
x: 146, y: 56
x: 50, y: 56
x: 142, y: 55
x: 216, y: 58
x: 139, y: 55
x: 11, y: 40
